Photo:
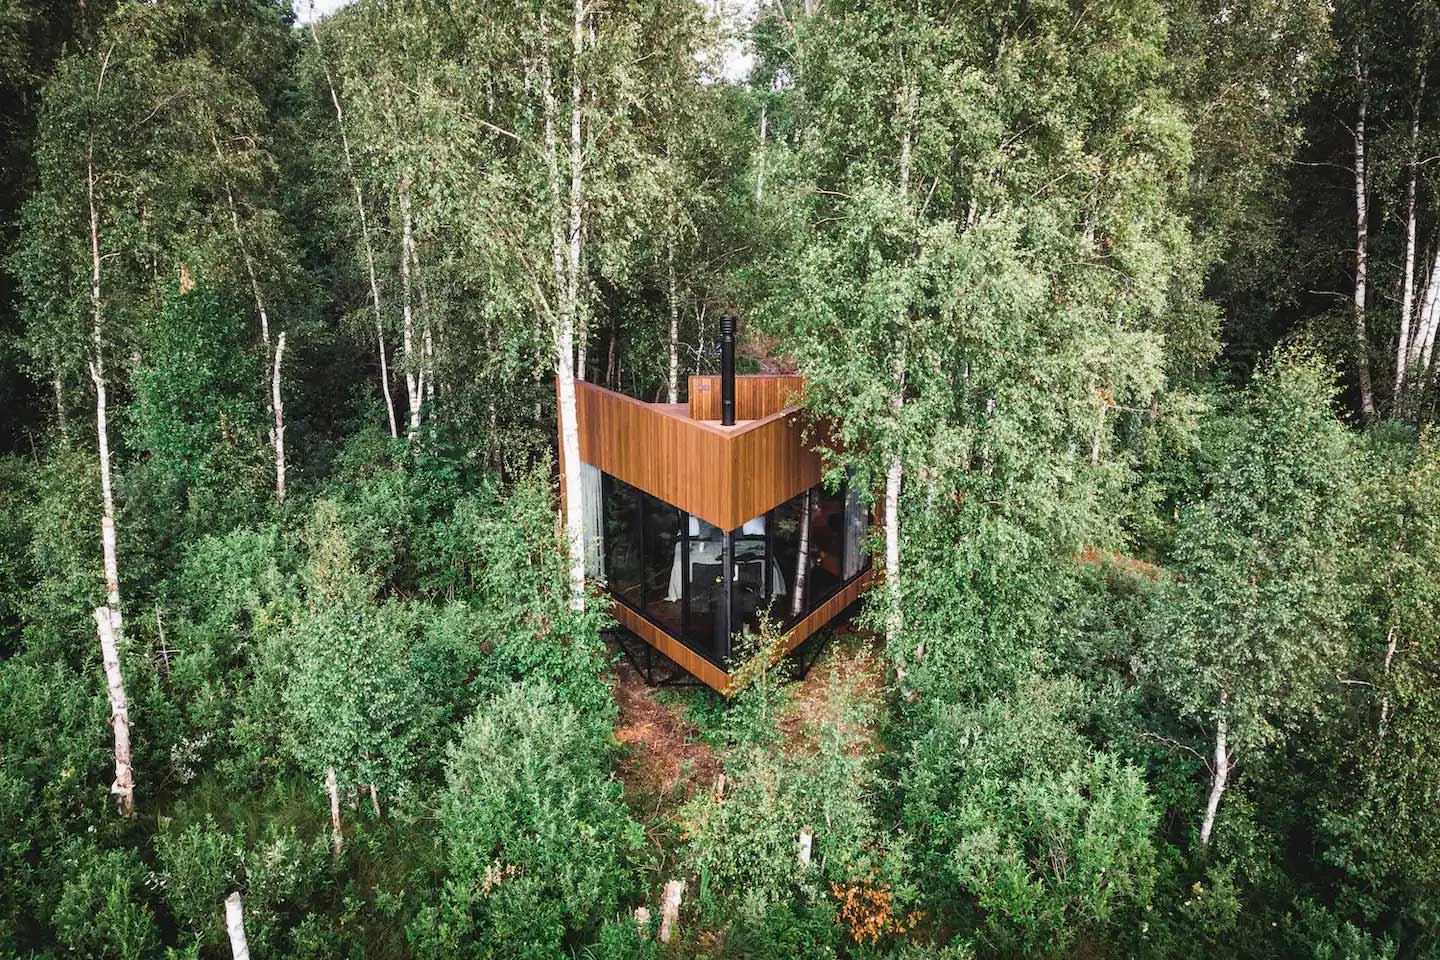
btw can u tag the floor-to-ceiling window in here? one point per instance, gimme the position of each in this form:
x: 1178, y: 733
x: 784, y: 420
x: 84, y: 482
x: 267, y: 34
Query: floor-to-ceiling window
x: 670, y: 566
x: 622, y: 544
x: 662, y: 549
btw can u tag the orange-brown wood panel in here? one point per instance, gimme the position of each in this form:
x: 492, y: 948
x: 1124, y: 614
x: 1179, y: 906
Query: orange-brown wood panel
x: 756, y: 395
x: 771, y: 464
x: 826, y: 612
x: 691, y: 662
x: 682, y: 462
x: 724, y: 475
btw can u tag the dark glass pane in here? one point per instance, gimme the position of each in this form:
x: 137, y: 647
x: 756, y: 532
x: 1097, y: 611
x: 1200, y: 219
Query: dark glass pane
x: 706, y: 621
x: 622, y: 539
x: 827, y: 545
x: 791, y: 589
x: 663, y: 587
x: 751, y: 595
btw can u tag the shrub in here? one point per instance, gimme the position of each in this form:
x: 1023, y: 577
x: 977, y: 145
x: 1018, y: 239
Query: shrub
x: 536, y: 842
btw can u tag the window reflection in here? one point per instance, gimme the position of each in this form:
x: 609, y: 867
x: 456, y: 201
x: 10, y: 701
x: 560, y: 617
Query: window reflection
x: 669, y: 566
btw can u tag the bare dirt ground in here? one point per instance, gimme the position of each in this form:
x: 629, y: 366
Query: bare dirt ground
x: 665, y: 761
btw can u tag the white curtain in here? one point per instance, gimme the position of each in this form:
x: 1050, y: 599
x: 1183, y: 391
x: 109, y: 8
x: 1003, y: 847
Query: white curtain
x: 593, y: 522
x: 856, y: 529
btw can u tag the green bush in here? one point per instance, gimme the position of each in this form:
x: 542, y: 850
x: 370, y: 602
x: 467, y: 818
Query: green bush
x: 537, y: 847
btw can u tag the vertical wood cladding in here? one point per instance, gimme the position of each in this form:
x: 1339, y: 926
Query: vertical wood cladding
x: 756, y: 396
x: 724, y: 475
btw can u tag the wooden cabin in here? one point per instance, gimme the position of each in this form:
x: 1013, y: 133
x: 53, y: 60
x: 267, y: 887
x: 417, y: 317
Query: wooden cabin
x: 674, y: 494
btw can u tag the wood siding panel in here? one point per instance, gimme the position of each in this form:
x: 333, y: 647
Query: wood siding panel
x: 683, y: 463
x: 826, y: 612
x: 771, y: 464
x: 688, y: 660
x: 711, y: 675
x: 724, y: 475
x: 756, y: 396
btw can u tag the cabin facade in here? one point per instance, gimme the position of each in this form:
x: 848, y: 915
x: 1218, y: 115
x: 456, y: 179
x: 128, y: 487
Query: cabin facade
x: 674, y: 495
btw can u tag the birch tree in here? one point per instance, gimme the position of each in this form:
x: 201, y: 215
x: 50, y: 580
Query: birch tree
x: 920, y: 293
x: 366, y: 243
x: 1362, y: 181
x: 1249, y: 637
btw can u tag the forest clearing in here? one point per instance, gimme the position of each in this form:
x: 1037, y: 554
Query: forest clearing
x: 756, y: 479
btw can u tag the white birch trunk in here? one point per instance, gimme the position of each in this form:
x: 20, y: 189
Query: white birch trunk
x: 62, y: 422
x: 337, y: 840
x: 1219, y: 774
x: 760, y: 164
x: 413, y: 364
x: 1362, y: 241
x: 107, y: 627
x: 235, y: 927
x: 277, y: 433
x: 1407, y: 296
x: 894, y: 474
x: 375, y: 801
x: 577, y: 190
x: 670, y: 910
x: 807, y: 841
x: 802, y: 560
x: 1424, y: 319
x: 674, y: 380
x: 567, y: 291
x: 364, y: 235
x: 108, y: 541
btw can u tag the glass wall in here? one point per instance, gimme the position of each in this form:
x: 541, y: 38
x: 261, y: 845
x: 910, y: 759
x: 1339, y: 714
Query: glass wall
x: 622, y: 539
x: 705, y: 617
x: 669, y: 566
x: 661, y: 555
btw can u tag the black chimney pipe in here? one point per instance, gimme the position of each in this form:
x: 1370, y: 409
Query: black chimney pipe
x: 727, y: 370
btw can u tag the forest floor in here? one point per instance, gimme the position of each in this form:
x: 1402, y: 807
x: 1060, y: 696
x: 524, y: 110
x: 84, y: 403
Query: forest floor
x: 669, y: 736
x: 672, y: 744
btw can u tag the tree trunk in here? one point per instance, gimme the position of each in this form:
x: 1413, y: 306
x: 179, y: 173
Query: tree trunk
x: 894, y: 474
x: 107, y: 625
x: 566, y: 261
x: 802, y: 559
x: 577, y: 190
x: 760, y: 164
x: 337, y: 840
x: 62, y: 422
x: 235, y: 927
x: 673, y: 383
x: 670, y: 910
x: 1424, y: 319
x: 375, y: 801
x: 1362, y: 239
x: 277, y: 434
x: 364, y: 234
x: 1219, y: 774
x: 1407, y: 296
x: 413, y: 364
x: 244, y: 251
x: 102, y: 425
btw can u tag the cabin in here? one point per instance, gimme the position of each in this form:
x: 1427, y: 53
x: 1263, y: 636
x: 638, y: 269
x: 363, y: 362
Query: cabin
x: 676, y: 494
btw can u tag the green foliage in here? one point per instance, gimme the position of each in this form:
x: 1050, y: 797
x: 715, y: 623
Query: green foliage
x: 103, y: 910
x: 745, y: 844
x: 194, y: 411
x: 1251, y: 630
x: 1011, y: 808
x: 536, y: 843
